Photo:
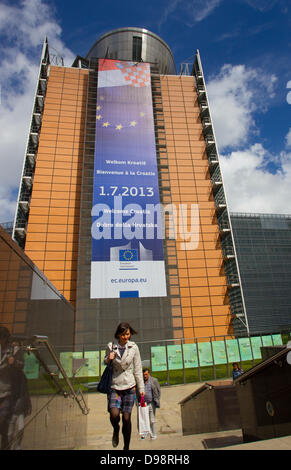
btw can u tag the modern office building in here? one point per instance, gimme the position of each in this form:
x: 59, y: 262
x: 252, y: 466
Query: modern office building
x: 263, y: 245
x: 115, y: 140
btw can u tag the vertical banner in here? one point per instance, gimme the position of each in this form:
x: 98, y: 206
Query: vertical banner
x: 127, y: 246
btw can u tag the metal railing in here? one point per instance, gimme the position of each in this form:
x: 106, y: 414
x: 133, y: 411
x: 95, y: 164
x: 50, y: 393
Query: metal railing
x: 79, y: 399
x: 31, y: 346
x: 189, y: 360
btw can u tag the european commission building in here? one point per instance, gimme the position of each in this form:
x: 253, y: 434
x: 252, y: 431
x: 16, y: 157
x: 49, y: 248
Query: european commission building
x: 122, y: 216
x: 122, y: 204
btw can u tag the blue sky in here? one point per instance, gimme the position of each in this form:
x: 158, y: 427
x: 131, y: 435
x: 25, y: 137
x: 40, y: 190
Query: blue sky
x: 245, y: 48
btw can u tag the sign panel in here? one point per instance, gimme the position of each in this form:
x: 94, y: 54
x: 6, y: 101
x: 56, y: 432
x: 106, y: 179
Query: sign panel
x: 66, y: 359
x: 267, y: 340
x: 232, y: 350
x: 31, y: 366
x: 74, y: 363
x: 127, y: 247
x: 256, y: 342
x: 219, y: 352
x: 245, y: 349
x: 92, y: 363
x: 205, y: 354
x: 190, y: 355
x: 79, y: 365
x: 277, y: 339
x: 175, y: 360
x: 159, y: 358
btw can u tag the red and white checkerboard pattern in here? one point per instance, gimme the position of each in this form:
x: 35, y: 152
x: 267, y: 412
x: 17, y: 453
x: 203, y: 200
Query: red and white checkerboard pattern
x: 136, y: 75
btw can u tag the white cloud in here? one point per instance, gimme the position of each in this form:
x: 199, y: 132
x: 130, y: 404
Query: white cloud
x: 189, y: 11
x: 198, y: 10
x: 249, y: 187
x: 255, y: 180
x: 262, y: 5
x: 22, y: 31
x: 234, y: 95
x: 288, y: 139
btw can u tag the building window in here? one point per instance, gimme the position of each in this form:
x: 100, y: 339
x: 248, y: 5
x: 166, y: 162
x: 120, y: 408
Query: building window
x: 136, y: 48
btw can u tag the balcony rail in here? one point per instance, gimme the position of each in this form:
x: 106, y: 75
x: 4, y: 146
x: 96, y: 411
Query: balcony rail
x: 227, y: 250
x: 223, y: 223
x: 35, y: 129
x: 216, y: 175
x: 216, y: 179
x: 27, y: 171
x: 201, y: 89
x: 212, y: 159
x: 38, y: 109
x: 232, y: 279
x: 220, y: 197
x: 209, y: 139
x: 206, y: 122
x: 31, y: 149
x: 21, y: 224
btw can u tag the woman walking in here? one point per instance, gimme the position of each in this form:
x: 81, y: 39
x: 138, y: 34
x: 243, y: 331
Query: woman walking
x: 127, y: 374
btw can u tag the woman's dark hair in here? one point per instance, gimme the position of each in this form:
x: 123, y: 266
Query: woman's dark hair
x: 122, y: 327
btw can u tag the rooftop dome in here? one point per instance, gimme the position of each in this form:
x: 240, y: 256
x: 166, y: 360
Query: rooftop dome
x: 135, y: 44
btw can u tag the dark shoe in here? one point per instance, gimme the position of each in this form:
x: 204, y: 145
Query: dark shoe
x: 115, y: 438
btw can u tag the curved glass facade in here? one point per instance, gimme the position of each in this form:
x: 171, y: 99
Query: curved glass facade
x: 136, y: 44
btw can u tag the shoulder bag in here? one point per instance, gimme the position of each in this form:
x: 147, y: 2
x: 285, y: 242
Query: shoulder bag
x: 104, y: 385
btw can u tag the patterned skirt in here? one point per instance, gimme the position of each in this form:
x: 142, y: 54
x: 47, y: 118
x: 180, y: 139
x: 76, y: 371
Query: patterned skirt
x: 122, y: 399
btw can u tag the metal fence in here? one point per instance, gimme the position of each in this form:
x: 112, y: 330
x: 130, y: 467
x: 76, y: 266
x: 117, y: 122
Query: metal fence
x: 176, y: 361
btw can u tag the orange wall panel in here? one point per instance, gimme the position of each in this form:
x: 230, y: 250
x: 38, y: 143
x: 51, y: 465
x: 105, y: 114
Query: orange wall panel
x: 200, y: 269
x: 58, y: 166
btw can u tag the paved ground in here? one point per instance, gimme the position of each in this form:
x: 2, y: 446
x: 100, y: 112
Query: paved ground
x: 169, y: 428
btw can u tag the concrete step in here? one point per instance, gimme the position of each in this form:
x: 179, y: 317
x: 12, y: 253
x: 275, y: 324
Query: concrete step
x: 169, y: 427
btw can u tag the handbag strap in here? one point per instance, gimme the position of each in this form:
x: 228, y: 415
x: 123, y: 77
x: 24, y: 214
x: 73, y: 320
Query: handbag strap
x: 111, y: 360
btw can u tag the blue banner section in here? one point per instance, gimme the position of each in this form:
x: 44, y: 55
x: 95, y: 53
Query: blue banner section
x: 128, y: 255
x: 126, y: 214
x: 124, y: 294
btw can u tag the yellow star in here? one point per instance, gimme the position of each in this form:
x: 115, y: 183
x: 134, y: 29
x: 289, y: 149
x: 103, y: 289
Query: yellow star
x: 118, y: 127
x: 99, y: 117
x: 106, y: 124
x: 142, y: 114
x: 133, y: 123
x: 98, y: 108
x: 102, y: 98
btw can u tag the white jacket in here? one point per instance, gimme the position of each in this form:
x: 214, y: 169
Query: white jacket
x: 127, y: 370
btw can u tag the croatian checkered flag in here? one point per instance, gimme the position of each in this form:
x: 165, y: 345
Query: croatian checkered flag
x: 113, y: 73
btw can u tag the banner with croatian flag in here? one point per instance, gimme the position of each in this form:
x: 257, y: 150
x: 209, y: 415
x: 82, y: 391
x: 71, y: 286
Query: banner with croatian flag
x: 127, y: 245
